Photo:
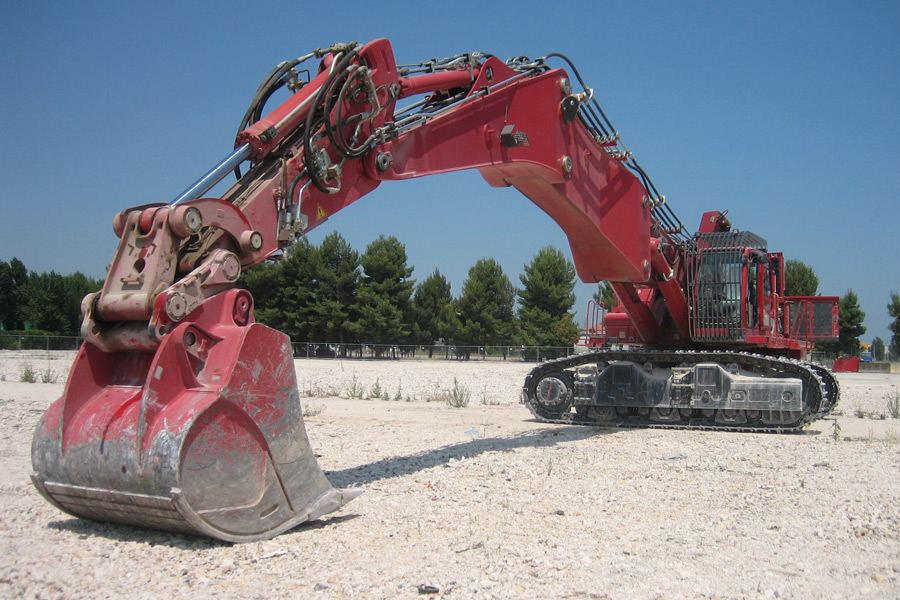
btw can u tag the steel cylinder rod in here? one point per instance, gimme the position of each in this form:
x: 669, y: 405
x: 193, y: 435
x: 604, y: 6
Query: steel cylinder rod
x: 215, y: 175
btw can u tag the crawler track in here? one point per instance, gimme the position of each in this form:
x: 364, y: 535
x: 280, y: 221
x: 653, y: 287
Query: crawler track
x: 820, y: 392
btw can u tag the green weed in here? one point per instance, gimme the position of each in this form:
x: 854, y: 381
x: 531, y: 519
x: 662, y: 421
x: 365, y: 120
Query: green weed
x: 321, y: 392
x: 355, y: 388
x: 48, y: 375
x: 459, y: 396
x: 28, y: 374
x: 893, y: 405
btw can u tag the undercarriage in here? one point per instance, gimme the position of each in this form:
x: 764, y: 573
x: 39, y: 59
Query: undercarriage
x: 681, y: 389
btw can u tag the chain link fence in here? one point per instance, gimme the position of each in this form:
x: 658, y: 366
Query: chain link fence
x: 331, y: 350
x: 39, y: 342
x: 60, y: 343
x: 438, y: 352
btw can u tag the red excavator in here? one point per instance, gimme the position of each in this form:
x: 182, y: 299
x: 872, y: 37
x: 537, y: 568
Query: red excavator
x: 182, y: 413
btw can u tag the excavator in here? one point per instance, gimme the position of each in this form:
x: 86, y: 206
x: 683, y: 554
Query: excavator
x: 182, y: 413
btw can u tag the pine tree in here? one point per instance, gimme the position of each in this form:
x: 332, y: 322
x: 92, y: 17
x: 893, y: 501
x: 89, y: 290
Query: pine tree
x: 263, y: 281
x: 298, y: 292
x: 337, y: 275
x: 799, y: 279
x: 545, y: 300
x: 383, y: 299
x: 486, y: 306
x: 894, y: 311
x: 13, y: 277
x: 40, y: 301
x: 430, y: 300
x: 284, y: 293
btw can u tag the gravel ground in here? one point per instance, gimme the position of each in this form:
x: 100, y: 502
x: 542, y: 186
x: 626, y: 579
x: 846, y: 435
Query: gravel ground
x: 484, y: 502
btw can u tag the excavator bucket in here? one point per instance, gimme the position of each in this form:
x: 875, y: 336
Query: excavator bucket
x: 203, y: 435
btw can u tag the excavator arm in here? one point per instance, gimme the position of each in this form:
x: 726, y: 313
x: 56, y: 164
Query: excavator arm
x: 180, y: 411
x: 340, y: 135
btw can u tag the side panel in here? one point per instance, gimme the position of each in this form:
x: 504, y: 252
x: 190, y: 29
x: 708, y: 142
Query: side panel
x: 814, y: 318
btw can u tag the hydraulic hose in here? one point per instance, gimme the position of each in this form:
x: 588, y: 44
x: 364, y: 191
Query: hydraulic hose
x: 274, y: 81
x: 337, y: 68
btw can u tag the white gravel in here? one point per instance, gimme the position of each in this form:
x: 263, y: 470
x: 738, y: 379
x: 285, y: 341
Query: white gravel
x: 483, y: 502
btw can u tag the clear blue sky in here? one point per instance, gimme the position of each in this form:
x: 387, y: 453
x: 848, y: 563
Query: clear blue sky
x: 784, y: 113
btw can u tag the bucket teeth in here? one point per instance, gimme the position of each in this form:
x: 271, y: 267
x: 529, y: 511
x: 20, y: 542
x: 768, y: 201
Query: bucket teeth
x: 168, y: 513
x: 156, y: 512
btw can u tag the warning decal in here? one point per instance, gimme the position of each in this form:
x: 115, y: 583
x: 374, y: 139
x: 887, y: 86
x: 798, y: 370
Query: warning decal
x: 320, y: 213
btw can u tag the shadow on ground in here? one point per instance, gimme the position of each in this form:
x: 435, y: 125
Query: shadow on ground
x: 398, y: 466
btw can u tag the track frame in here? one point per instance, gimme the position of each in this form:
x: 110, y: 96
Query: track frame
x: 820, y: 392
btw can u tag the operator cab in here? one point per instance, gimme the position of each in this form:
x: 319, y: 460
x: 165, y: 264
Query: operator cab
x: 733, y: 285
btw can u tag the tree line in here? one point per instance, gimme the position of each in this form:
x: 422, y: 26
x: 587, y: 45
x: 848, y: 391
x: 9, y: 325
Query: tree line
x: 331, y: 293
x: 43, y: 303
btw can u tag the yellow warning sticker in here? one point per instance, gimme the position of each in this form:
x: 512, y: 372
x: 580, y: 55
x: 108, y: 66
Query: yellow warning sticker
x: 320, y: 212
